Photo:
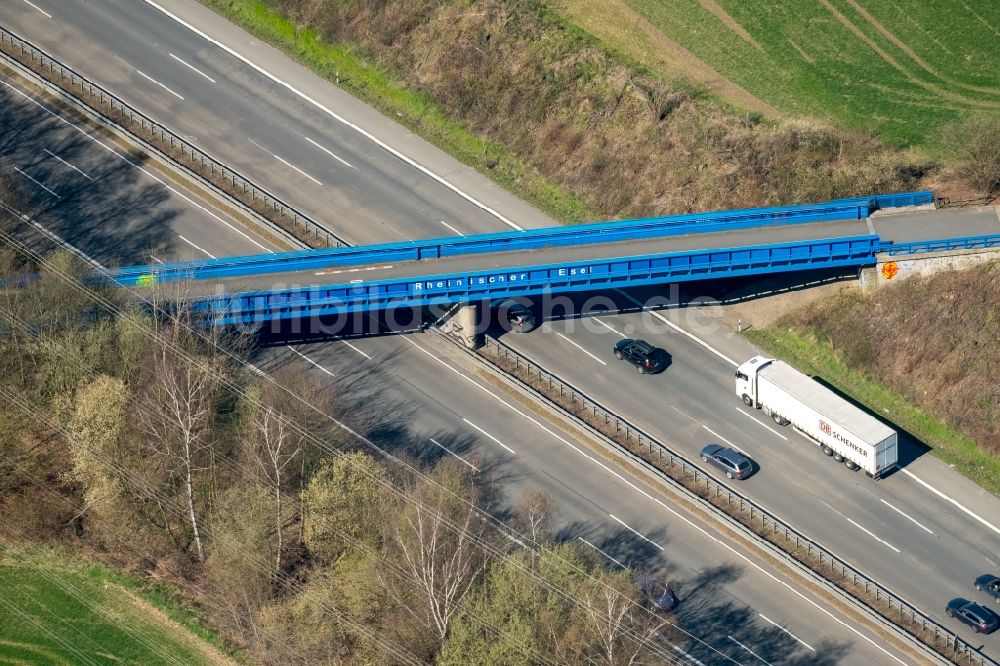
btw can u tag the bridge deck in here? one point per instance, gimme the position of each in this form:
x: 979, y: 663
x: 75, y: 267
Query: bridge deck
x: 899, y: 228
x: 509, y: 260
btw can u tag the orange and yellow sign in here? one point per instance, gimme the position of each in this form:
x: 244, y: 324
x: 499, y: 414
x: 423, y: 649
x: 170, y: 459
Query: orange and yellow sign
x: 890, y: 269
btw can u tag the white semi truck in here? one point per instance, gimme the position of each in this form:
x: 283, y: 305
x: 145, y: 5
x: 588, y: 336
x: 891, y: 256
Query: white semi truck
x: 840, y: 429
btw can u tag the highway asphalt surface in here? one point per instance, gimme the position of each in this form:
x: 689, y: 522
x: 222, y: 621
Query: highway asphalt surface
x: 85, y: 187
x: 943, y: 528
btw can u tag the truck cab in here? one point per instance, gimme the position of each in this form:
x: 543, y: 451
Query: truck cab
x: 746, y: 379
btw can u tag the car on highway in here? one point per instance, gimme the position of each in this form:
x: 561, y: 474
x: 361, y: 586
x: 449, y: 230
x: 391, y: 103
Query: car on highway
x: 644, y: 356
x: 733, y: 463
x: 990, y: 584
x: 518, y: 316
x: 659, y: 593
x: 979, y: 617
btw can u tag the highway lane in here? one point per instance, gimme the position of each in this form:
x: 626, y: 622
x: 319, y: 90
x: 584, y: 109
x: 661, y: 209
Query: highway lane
x: 917, y: 543
x: 81, y: 185
x: 334, y: 172
x: 564, y: 351
x: 732, y: 602
x: 450, y: 410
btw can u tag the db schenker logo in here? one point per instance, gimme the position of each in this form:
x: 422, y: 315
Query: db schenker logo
x: 825, y: 427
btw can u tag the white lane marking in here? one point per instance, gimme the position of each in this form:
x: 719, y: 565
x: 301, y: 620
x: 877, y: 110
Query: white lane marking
x: 59, y: 241
x: 635, y: 532
x: 147, y: 76
x: 579, y: 347
x: 330, y: 153
x: 669, y: 509
x: 68, y: 164
x: 413, y: 163
x: 872, y: 535
x: 191, y: 67
x: 766, y: 619
x: 356, y: 349
x: 284, y: 161
x: 602, y: 552
x: 434, y: 441
x: 451, y: 227
x: 488, y: 435
x: 762, y: 425
x: 134, y: 165
x: 354, y: 270
x: 943, y: 496
x: 689, y: 657
x: 37, y: 183
x: 608, y: 326
x: 910, y: 518
x: 749, y: 650
x: 679, y: 329
x: 38, y: 8
x: 723, y: 439
x: 310, y: 360
x: 210, y: 255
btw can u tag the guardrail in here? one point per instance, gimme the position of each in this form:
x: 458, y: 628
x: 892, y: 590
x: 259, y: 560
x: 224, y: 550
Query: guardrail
x: 890, y: 606
x: 159, y: 140
x: 421, y: 290
x: 451, y: 246
x: 941, y: 245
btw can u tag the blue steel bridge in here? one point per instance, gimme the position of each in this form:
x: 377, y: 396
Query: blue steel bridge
x: 468, y: 269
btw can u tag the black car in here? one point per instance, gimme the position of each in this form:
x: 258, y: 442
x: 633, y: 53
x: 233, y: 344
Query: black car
x: 660, y: 595
x: 977, y: 616
x: 990, y: 584
x: 734, y: 464
x: 517, y: 315
x: 641, y: 354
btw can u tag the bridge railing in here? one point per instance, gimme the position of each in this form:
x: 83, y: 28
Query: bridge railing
x: 891, y: 607
x: 162, y: 142
x: 415, y: 290
x: 603, y: 232
x: 941, y: 245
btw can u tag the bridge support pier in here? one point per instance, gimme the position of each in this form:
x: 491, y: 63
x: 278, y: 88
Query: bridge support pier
x: 467, y: 320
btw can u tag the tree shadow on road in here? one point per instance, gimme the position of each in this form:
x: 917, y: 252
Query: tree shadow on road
x: 97, y: 201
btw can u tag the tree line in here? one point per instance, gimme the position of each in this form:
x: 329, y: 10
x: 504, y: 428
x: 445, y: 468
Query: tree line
x: 150, y: 442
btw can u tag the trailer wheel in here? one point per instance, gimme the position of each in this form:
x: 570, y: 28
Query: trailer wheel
x: 747, y: 400
x: 851, y: 465
x: 779, y: 419
x: 827, y: 451
x: 838, y: 457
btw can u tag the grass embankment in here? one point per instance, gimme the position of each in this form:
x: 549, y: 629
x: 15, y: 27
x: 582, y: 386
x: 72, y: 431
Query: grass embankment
x: 55, y: 610
x: 546, y: 110
x: 341, y: 63
x: 902, y: 70
x: 922, y: 354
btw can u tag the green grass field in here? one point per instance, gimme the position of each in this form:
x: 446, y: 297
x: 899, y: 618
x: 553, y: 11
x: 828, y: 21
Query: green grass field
x: 899, y: 68
x: 55, y: 611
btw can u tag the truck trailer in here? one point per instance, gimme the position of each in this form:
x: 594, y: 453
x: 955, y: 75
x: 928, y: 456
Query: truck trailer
x: 840, y: 429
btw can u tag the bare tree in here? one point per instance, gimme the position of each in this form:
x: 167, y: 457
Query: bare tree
x: 622, y: 630
x: 436, y: 542
x: 177, y: 415
x: 534, y: 511
x: 275, y: 445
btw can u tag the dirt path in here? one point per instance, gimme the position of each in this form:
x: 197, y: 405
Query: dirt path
x: 622, y: 28
x: 729, y: 22
x: 178, y: 632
